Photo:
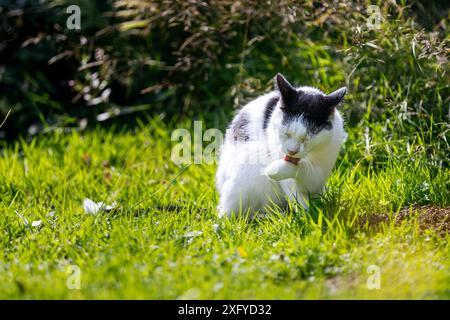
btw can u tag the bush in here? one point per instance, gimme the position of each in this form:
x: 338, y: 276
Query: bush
x: 192, y: 59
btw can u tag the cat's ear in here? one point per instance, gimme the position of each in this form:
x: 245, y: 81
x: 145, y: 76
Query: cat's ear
x: 335, y: 97
x: 286, y: 89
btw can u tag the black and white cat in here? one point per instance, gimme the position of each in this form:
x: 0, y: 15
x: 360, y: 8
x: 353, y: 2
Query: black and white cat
x: 280, y: 146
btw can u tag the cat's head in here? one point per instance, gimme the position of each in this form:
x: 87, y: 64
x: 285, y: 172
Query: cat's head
x: 307, y: 116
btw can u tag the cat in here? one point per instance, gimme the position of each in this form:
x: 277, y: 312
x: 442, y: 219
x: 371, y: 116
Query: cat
x: 280, y: 147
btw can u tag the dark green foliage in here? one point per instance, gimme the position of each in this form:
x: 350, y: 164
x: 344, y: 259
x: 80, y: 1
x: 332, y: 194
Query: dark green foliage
x: 195, y: 59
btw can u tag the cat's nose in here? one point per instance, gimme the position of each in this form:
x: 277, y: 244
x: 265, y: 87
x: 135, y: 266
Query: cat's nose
x: 292, y: 152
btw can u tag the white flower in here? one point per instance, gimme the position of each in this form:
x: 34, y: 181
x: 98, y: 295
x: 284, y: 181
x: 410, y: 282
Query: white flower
x: 105, y: 94
x: 21, y: 217
x: 36, y: 223
x: 193, y: 234
x: 93, y: 208
x: 51, y: 214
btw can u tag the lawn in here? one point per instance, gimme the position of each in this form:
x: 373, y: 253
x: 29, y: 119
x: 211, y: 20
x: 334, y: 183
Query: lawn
x: 380, y: 231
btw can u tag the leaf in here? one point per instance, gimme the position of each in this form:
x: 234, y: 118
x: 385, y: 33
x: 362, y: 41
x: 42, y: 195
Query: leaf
x: 242, y: 252
x: 139, y: 24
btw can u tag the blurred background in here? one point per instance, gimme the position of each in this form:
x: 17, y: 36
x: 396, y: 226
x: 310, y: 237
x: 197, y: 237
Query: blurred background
x: 176, y: 60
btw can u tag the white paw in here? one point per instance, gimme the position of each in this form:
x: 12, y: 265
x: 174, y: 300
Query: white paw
x: 280, y: 170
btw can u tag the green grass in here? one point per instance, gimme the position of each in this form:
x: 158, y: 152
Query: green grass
x: 145, y: 249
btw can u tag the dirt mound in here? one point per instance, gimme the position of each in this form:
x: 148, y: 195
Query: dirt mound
x: 428, y: 217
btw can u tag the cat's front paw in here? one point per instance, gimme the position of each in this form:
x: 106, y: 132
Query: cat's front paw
x: 280, y: 170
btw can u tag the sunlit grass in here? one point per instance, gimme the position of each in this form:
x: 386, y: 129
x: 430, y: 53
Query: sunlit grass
x: 164, y: 239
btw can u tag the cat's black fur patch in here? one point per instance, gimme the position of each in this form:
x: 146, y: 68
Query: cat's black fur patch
x: 269, y: 110
x: 239, y: 127
x: 314, y: 109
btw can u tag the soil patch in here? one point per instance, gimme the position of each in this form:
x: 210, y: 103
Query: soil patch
x: 428, y: 217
